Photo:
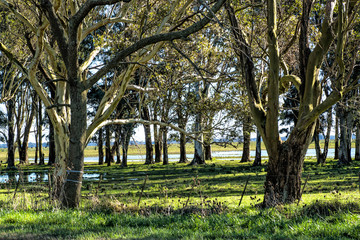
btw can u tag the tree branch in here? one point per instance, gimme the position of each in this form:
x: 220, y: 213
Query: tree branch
x: 57, y: 29
x: 152, y: 40
x: 103, y: 23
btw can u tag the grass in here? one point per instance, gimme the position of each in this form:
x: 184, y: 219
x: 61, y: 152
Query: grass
x: 184, y: 202
x: 92, y: 151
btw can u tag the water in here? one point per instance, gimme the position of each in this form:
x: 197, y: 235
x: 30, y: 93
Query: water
x: 38, y: 177
x: 225, y: 155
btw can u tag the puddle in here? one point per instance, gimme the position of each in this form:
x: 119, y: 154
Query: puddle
x: 133, y: 179
x: 39, y: 177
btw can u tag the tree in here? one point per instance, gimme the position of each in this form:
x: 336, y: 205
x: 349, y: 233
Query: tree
x: 68, y: 67
x: 283, y: 180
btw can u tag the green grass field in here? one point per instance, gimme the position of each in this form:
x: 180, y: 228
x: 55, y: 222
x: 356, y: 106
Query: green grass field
x: 182, y: 202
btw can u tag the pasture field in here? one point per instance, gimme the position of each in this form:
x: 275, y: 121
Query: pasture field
x: 179, y: 201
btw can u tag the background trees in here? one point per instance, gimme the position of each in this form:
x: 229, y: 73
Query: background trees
x: 289, y: 56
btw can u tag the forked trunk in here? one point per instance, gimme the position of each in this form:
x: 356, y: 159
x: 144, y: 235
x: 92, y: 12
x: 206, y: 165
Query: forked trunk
x: 283, y: 179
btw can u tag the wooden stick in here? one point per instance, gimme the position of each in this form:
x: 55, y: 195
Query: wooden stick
x: 242, y: 195
x: 142, y: 190
x: 301, y: 193
x: 17, y: 186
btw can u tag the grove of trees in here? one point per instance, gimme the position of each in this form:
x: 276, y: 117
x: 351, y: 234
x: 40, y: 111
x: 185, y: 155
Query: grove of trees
x: 93, y: 70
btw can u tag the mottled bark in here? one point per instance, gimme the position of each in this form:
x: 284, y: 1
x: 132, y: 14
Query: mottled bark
x: 157, y: 137
x: 148, y: 143
x: 345, y: 136
x: 11, y: 134
x: 75, y: 166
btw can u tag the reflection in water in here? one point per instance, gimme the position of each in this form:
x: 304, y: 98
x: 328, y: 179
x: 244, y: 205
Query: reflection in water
x: 27, y: 177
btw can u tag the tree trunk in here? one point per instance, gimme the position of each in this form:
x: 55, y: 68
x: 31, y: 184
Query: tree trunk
x: 52, y: 154
x: 36, y: 143
x: 108, y: 153
x: 157, y: 143
x: 165, y: 147
x: 199, y: 157
x: 11, y: 135
x: 100, y: 147
x: 183, y: 158
x: 41, y: 155
x: 344, y: 155
x: 257, y: 161
x: 283, y: 179
x: 75, y: 165
x: 23, y: 148
x: 319, y: 154
x: 357, y: 144
x: 207, y: 150
x: 324, y: 154
x: 336, y: 145
x: 246, y: 140
x: 148, y: 143
x: 117, y: 147
x: 198, y: 147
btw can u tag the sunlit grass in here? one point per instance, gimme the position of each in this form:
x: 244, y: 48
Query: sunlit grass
x: 184, y: 202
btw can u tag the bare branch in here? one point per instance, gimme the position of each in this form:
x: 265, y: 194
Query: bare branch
x: 141, y: 89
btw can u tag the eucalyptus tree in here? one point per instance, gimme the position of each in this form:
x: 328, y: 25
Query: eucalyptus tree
x: 286, y: 158
x: 58, y: 29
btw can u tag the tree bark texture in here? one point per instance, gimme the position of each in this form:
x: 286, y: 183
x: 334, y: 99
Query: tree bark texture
x: 148, y: 142
x: 257, y: 161
x: 283, y: 179
x: 357, y: 143
x: 41, y: 154
x: 157, y: 141
x: 75, y: 164
x: 183, y: 158
x: 336, y: 140
x: 246, y: 140
x: 100, y: 147
x: 11, y: 134
x: 23, y: 146
x: 165, y: 147
x: 108, y: 153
